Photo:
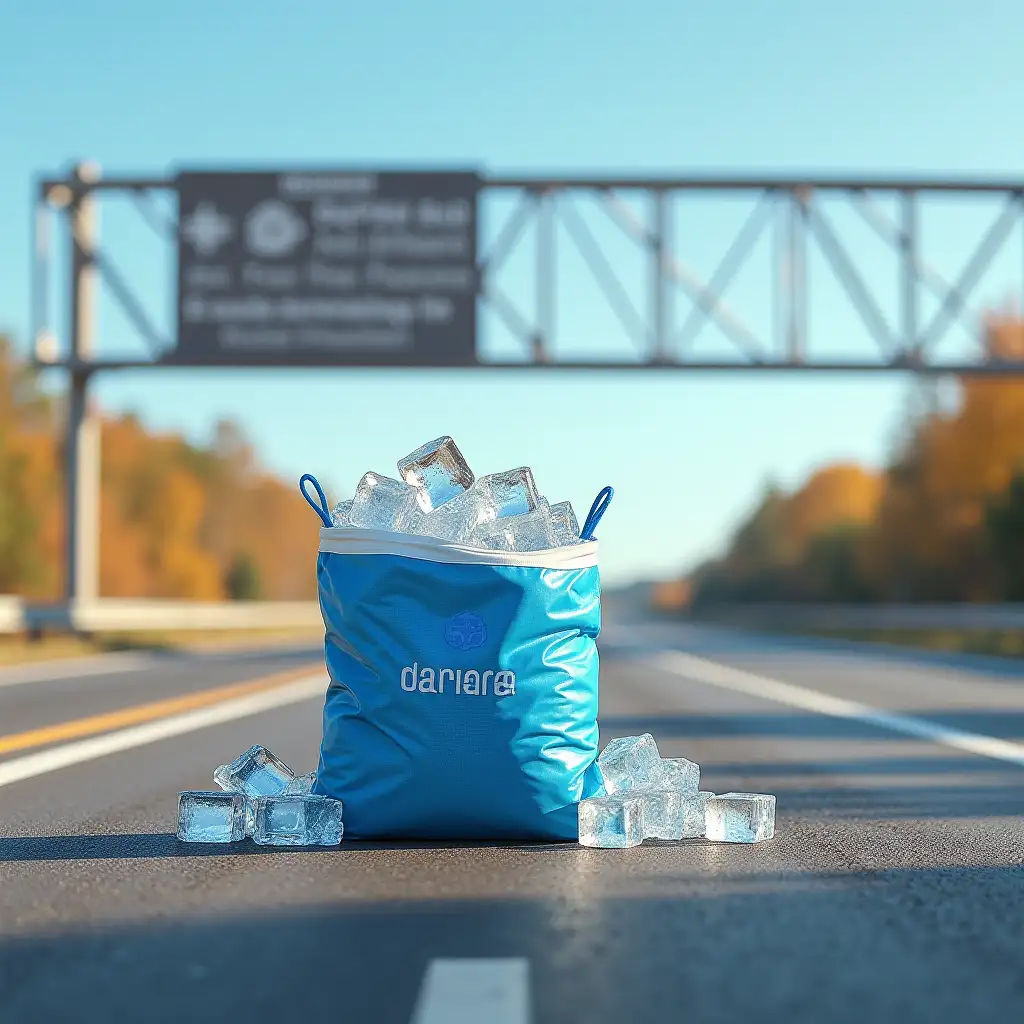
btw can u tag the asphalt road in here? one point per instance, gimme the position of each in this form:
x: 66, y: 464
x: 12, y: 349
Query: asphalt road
x: 892, y: 890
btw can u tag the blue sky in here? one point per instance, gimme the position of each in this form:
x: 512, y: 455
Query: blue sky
x: 599, y: 87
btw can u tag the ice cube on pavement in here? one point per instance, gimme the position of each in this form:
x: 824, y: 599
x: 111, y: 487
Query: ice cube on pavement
x: 258, y: 772
x: 672, y: 814
x: 214, y: 817
x: 439, y: 468
x: 513, y: 492
x: 629, y: 762
x: 611, y: 822
x: 457, y: 518
x: 381, y: 503
x: 342, y: 514
x: 301, y: 786
x: 564, y: 526
x: 740, y: 817
x: 678, y: 773
x: 529, y: 531
x: 297, y: 821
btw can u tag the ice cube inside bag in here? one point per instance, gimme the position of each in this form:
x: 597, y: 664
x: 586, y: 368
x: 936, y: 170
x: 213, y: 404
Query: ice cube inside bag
x: 564, y: 527
x: 439, y: 469
x: 342, y: 514
x: 382, y: 503
x: 529, y: 531
x: 457, y: 518
x: 514, y: 492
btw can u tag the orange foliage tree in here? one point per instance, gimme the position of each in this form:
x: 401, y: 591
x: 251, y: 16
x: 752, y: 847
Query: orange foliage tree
x: 944, y: 523
x: 930, y: 540
x: 177, y: 521
x: 804, y: 545
x: 31, y: 531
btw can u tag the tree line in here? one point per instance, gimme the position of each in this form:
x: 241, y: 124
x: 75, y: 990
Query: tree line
x: 944, y: 521
x: 176, y: 520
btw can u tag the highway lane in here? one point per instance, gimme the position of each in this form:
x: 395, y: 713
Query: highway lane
x: 891, y: 891
x: 29, y: 701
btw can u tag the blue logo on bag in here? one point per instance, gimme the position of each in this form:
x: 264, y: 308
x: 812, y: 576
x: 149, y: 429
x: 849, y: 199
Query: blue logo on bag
x: 465, y: 631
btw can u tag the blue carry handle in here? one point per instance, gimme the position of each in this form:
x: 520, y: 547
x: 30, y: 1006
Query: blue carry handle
x: 596, y: 513
x: 319, y: 507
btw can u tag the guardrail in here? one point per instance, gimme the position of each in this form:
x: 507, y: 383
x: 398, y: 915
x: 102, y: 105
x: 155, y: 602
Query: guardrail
x: 882, y: 616
x: 108, y: 615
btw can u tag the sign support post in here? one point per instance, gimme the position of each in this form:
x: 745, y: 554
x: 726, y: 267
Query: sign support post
x: 82, y: 445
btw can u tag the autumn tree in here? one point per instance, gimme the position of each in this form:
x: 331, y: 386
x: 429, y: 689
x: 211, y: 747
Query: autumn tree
x: 1004, y: 533
x: 31, y: 534
x: 944, y: 523
x: 176, y: 520
x: 243, y: 579
x: 801, y: 546
x: 930, y: 540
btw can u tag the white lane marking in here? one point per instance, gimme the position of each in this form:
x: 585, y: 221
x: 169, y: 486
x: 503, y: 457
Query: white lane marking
x: 73, y: 668
x: 140, y: 735
x: 714, y: 673
x: 494, y: 991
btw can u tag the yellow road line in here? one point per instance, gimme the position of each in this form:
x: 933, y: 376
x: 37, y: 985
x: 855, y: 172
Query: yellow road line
x: 110, y: 720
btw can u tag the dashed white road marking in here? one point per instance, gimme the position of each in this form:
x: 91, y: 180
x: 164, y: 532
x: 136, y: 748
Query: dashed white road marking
x: 484, y: 991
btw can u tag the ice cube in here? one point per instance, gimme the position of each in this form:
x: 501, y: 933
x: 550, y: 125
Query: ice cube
x: 629, y: 762
x: 513, y: 492
x: 342, y: 514
x: 215, y: 817
x: 457, y: 518
x: 298, y: 821
x: 740, y: 817
x: 678, y: 773
x: 564, y: 526
x: 258, y: 772
x: 381, y: 503
x: 438, y: 468
x: 611, y: 822
x: 672, y: 814
x: 302, y: 786
x: 529, y: 531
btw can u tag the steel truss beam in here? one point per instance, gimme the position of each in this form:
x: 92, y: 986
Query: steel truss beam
x: 656, y: 340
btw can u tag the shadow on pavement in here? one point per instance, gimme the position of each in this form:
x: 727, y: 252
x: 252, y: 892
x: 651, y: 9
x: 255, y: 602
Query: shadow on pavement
x: 928, y: 945
x: 144, y: 846
x: 893, y: 803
